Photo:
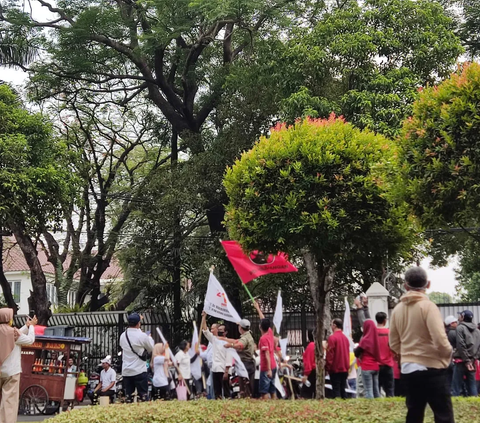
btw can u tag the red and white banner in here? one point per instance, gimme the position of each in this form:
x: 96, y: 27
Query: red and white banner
x: 256, y: 264
x: 217, y: 303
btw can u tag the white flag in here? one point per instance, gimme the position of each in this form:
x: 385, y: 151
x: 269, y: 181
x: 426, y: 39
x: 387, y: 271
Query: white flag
x: 283, y: 346
x: 347, y: 324
x: 217, y: 303
x: 278, y: 316
x: 196, y: 366
x: 168, y: 352
x: 279, y: 385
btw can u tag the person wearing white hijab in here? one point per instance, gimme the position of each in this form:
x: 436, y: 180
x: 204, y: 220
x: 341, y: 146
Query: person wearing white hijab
x: 11, y: 341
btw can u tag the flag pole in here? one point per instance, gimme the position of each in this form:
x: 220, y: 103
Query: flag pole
x: 248, y: 291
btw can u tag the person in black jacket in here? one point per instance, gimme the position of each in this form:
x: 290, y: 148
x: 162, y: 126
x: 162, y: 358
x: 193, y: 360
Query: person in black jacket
x: 451, y: 323
x: 467, y: 351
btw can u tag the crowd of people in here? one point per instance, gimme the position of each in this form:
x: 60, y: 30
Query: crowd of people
x: 418, y: 355
x: 261, y: 361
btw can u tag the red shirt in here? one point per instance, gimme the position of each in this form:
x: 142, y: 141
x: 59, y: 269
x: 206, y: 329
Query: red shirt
x: 368, y: 362
x: 266, y: 346
x: 309, y: 359
x: 338, y: 353
x: 386, y: 355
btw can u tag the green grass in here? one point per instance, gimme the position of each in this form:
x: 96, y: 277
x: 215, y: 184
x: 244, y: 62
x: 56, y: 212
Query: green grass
x: 244, y: 411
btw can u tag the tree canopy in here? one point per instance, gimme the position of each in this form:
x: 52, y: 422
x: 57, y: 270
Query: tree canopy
x: 320, y: 189
x: 37, y: 183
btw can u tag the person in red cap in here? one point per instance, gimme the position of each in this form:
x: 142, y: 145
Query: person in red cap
x: 468, y: 344
x: 337, y: 362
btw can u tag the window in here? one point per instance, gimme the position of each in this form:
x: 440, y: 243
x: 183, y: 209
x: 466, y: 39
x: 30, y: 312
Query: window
x: 52, y: 293
x: 15, y: 287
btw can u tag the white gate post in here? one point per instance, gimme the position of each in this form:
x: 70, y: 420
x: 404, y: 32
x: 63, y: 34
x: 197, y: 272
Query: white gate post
x: 377, y: 300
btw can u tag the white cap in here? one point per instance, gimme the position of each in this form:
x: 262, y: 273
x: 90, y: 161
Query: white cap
x: 244, y: 323
x: 107, y: 359
x: 450, y: 319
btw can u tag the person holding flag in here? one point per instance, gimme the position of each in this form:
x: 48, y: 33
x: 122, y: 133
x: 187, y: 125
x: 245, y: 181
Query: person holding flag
x: 268, y: 366
x: 221, y: 358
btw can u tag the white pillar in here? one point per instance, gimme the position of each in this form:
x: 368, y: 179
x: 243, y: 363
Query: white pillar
x: 377, y: 300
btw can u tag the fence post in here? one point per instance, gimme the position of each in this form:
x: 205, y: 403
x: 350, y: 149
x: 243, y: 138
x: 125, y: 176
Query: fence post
x: 121, y: 326
x: 303, y: 324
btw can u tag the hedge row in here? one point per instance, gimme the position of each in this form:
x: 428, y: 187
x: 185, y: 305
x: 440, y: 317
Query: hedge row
x: 243, y: 411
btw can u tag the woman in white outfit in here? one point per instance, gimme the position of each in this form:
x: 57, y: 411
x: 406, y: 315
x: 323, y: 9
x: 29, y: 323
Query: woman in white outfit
x: 160, y: 363
x: 11, y: 340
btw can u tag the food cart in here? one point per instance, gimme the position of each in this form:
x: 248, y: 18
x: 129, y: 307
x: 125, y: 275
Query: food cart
x: 45, y: 383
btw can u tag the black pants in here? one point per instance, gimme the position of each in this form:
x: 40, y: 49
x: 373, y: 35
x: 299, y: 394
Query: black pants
x: 308, y: 392
x: 339, y: 384
x: 247, y: 385
x: 161, y: 392
x: 140, y: 382
x: 218, y: 385
x: 385, y: 380
x: 428, y: 387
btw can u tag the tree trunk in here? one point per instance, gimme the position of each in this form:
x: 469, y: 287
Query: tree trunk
x: 320, y: 277
x: 176, y: 256
x: 129, y: 297
x: 38, y: 295
x: 7, y: 291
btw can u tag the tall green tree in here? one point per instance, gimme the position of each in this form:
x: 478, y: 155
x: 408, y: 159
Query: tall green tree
x: 320, y: 189
x: 439, y: 151
x: 36, y: 182
x: 367, y: 60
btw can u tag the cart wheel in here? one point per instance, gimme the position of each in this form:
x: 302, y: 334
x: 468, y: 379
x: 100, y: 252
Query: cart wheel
x: 34, y: 400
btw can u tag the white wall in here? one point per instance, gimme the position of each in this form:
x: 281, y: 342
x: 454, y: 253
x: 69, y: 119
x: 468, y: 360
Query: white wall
x: 25, y: 288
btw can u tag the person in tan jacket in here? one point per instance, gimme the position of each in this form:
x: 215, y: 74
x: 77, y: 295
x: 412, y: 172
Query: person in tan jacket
x: 417, y: 336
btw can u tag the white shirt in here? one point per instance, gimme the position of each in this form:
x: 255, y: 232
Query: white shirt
x: 408, y: 368
x: 132, y: 365
x: 183, y: 363
x: 159, y: 376
x: 71, y: 371
x: 208, y: 355
x: 221, y: 356
x: 13, y: 364
x: 107, y: 377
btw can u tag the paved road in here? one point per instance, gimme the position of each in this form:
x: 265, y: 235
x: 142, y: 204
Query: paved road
x: 40, y: 418
x: 32, y: 418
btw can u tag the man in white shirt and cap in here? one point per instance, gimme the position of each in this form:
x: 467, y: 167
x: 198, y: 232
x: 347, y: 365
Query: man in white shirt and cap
x: 221, y: 360
x: 108, y: 380
x: 135, y: 344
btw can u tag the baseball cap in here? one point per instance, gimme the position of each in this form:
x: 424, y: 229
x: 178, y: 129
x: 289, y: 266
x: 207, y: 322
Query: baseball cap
x: 450, y: 319
x: 467, y: 315
x: 244, y: 323
x: 133, y: 318
x: 107, y: 359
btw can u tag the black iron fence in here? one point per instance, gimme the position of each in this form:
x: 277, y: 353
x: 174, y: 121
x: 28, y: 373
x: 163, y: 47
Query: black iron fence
x: 105, y: 328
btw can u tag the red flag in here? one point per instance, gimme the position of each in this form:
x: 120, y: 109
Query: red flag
x: 255, y: 264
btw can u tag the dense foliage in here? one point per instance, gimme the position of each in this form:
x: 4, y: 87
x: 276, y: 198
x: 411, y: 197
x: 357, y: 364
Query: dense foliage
x: 321, y: 185
x: 320, y: 189
x: 366, y: 61
x: 240, y: 411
